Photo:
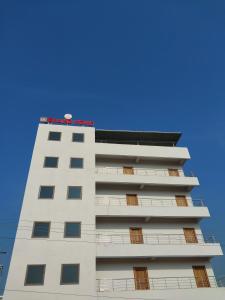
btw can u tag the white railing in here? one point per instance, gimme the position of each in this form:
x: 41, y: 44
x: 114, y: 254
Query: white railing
x: 160, y: 283
x: 143, y: 201
x: 138, y: 171
x: 153, y: 239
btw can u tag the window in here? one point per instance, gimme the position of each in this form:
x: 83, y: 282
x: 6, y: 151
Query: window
x: 35, y: 275
x: 76, y: 163
x: 54, y: 136
x: 69, y: 274
x: 46, y: 192
x: 51, y: 162
x: 72, y: 230
x: 78, y: 137
x: 41, y: 229
x: 74, y: 192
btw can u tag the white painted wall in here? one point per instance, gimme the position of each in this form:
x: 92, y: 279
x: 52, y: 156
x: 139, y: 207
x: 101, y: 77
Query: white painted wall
x: 54, y: 251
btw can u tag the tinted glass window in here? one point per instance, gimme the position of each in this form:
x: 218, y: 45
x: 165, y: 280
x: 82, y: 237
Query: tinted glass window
x: 51, y: 162
x: 78, y: 137
x: 70, y: 274
x: 54, y: 136
x: 74, y: 192
x: 76, y: 163
x: 72, y: 229
x: 46, y: 192
x: 35, y: 275
x: 41, y: 229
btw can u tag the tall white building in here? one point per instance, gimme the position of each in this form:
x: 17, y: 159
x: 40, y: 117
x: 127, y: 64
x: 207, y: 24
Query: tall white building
x: 109, y: 215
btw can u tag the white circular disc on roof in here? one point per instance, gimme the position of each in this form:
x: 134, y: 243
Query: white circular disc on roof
x: 68, y: 116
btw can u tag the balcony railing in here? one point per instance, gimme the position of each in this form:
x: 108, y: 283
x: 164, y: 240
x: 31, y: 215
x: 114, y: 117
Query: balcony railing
x: 140, y: 171
x: 154, y: 239
x: 159, y: 283
x: 144, y: 201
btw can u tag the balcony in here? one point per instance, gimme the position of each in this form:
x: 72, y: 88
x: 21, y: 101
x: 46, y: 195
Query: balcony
x: 159, y: 283
x: 155, y: 245
x: 144, y: 176
x: 158, y: 153
x: 117, y: 206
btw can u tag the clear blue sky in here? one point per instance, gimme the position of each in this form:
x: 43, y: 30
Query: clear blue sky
x: 140, y: 65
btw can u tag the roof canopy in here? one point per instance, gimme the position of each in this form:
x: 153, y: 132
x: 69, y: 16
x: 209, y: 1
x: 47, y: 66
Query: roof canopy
x: 137, y: 137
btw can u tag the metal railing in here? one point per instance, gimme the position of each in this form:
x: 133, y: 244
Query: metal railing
x: 155, y: 239
x: 221, y: 281
x: 144, y: 201
x: 159, y: 283
x: 140, y: 171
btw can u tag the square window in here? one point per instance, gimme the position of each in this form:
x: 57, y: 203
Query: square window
x: 51, y: 162
x: 72, y: 230
x: 74, y: 192
x: 46, y: 192
x: 54, y: 136
x: 69, y: 274
x: 78, y: 137
x: 35, y: 275
x: 76, y: 163
x: 41, y: 229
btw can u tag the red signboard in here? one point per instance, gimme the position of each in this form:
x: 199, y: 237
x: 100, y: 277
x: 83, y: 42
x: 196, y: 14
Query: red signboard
x: 66, y: 121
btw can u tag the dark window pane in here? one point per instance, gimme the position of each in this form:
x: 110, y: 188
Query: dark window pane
x: 51, y: 162
x: 46, y: 192
x: 74, y: 192
x: 35, y: 275
x: 72, y: 229
x: 76, y: 163
x: 70, y: 274
x: 54, y: 136
x: 41, y: 229
x: 78, y: 137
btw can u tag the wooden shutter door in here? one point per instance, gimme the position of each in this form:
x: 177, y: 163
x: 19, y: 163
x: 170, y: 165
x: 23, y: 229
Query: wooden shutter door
x: 201, y: 276
x: 141, y: 278
x: 181, y: 200
x: 190, y: 235
x: 128, y: 170
x: 132, y: 199
x: 136, y: 236
x: 173, y: 172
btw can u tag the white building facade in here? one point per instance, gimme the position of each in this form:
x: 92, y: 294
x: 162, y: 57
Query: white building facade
x: 109, y: 215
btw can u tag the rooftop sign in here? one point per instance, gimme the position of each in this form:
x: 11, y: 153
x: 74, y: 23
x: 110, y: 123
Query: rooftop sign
x: 68, y: 121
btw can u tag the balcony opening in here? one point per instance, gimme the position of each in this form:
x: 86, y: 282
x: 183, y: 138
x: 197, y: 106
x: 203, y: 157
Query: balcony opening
x: 128, y: 170
x: 190, y: 236
x: 132, y: 199
x: 141, y: 278
x: 136, y: 236
x: 181, y: 200
x: 173, y: 172
x: 201, y: 276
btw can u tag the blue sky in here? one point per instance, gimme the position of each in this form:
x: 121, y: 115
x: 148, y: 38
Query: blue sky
x: 140, y: 65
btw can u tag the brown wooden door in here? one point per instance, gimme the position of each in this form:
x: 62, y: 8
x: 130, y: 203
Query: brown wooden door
x: 173, y: 172
x: 128, y: 170
x: 181, y: 200
x: 132, y: 199
x: 201, y: 276
x: 136, y: 236
x: 190, y: 235
x: 141, y: 278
